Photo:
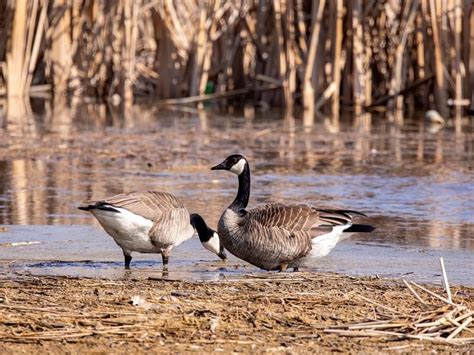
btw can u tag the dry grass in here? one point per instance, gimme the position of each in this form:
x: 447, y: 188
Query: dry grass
x: 282, y: 312
x: 441, y: 323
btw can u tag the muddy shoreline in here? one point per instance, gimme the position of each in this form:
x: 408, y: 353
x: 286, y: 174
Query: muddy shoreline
x: 271, y: 312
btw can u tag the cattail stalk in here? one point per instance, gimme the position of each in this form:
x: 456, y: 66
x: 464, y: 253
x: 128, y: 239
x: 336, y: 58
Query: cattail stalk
x: 337, y: 59
x: 16, y: 65
x: 440, y: 90
x: 308, y: 90
x: 280, y: 52
x: 458, y: 70
x: 358, y: 52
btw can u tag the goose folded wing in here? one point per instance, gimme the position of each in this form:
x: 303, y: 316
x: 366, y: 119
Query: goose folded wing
x: 171, y: 224
x: 332, y: 217
x: 291, y: 218
x: 148, y: 204
x: 278, y: 232
x: 300, y: 218
x: 329, y: 218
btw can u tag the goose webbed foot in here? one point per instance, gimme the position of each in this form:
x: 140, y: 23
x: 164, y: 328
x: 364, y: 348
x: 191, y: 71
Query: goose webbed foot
x: 128, y: 259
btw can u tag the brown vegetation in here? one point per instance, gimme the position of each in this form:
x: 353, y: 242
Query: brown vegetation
x: 284, y: 312
x: 363, y: 54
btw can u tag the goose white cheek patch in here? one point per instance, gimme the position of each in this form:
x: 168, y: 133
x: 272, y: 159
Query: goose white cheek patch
x: 238, y: 167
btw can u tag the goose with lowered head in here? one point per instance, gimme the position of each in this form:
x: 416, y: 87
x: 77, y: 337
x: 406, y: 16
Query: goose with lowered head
x: 278, y: 236
x: 151, y: 222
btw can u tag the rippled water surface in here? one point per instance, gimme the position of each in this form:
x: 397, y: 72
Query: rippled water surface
x: 415, y: 181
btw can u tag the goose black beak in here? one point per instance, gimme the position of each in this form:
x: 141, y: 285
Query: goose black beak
x: 222, y: 255
x: 220, y: 166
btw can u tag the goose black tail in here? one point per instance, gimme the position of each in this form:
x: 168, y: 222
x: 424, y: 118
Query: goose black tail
x: 359, y: 228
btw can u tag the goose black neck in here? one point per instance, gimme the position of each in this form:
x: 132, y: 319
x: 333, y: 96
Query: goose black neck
x: 243, y: 194
x: 201, y: 227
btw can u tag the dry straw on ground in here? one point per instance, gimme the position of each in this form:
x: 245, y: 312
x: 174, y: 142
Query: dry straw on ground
x: 274, y: 312
x: 434, y: 321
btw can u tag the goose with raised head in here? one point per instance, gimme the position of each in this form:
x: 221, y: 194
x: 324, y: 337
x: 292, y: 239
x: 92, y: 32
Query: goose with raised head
x: 277, y: 236
x: 151, y: 222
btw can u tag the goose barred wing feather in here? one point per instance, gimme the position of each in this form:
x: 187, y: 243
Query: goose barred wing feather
x: 332, y: 218
x: 148, y: 204
x: 275, y: 232
x: 172, y: 223
x: 299, y: 217
x: 287, y: 217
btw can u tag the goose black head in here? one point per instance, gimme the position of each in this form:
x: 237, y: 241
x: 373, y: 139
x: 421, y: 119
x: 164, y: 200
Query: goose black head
x: 235, y: 163
x: 208, y: 237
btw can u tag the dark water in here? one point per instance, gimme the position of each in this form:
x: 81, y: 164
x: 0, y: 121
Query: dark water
x: 415, y: 181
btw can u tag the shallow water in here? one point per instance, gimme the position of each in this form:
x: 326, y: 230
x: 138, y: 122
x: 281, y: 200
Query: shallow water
x: 415, y: 181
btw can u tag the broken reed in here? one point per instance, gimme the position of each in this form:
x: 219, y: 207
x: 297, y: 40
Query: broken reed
x: 432, y: 322
x: 319, y: 54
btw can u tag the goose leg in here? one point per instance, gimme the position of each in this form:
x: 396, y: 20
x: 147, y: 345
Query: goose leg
x: 128, y: 259
x: 296, y: 269
x: 165, y: 255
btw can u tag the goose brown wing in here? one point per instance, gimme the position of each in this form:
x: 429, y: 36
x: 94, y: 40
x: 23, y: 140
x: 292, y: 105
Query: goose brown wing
x: 291, y: 218
x: 276, y: 232
x: 300, y: 218
x: 148, y: 204
x: 172, y: 224
x: 332, y: 217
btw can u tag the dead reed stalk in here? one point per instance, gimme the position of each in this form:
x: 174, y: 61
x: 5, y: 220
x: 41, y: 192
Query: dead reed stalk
x: 434, y: 322
x: 321, y: 54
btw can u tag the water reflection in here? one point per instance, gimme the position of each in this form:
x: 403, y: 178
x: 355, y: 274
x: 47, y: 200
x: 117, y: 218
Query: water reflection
x: 416, y: 182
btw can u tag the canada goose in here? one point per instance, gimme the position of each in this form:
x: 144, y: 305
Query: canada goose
x: 277, y: 236
x: 151, y: 222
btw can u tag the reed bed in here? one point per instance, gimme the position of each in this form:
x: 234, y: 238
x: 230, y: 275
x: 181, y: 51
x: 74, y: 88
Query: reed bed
x: 322, y: 55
